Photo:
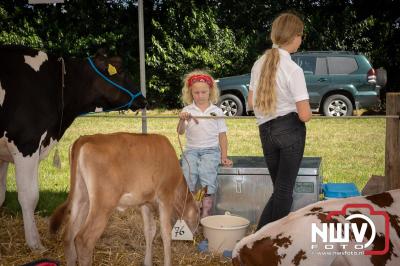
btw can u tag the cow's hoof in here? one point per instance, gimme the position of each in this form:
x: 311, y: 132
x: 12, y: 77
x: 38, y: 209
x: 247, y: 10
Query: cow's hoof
x: 38, y: 249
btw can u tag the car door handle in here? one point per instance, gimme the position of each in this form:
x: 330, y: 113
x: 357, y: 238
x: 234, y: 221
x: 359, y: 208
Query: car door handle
x: 322, y: 79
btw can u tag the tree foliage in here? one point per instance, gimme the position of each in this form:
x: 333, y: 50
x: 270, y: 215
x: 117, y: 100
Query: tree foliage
x: 181, y: 43
x: 75, y: 28
x: 222, y: 36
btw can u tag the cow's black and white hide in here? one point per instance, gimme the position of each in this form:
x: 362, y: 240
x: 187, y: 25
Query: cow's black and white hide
x: 35, y: 111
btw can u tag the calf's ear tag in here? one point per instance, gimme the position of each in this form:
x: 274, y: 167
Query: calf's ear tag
x: 111, y: 70
x: 181, y: 231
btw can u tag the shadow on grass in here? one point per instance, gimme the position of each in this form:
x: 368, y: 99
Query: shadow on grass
x: 48, y: 201
x: 374, y: 112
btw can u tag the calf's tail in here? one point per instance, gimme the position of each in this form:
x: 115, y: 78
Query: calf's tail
x: 57, y: 217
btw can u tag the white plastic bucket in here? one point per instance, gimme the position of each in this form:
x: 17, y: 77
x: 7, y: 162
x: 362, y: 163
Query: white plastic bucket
x: 223, y: 231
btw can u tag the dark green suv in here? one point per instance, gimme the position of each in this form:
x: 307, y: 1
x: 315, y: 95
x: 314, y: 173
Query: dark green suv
x: 338, y: 82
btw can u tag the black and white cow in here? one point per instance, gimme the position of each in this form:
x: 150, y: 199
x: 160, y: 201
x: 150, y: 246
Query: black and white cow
x: 36, y: 110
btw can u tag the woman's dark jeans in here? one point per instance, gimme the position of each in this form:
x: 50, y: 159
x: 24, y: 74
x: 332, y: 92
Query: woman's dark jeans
x: 283, y: 141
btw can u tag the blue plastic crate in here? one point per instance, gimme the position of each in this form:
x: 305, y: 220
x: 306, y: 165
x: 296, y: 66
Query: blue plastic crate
x: 340, y: 190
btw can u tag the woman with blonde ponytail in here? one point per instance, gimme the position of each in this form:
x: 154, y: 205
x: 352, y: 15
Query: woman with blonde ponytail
x: 279, y: 97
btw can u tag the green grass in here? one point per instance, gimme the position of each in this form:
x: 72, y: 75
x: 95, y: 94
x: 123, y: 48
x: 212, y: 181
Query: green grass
x: 351, y: 149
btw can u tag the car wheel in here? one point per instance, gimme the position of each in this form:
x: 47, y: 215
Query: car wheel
x: 337, y: 105
x: 231, y: 105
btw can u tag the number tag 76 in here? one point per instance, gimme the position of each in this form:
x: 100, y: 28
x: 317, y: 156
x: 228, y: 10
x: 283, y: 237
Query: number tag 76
x: 181, y: 231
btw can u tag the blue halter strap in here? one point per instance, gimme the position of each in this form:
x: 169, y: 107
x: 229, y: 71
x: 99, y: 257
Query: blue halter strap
x: 133, y: 96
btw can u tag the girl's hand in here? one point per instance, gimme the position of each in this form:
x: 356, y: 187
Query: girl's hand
x: 226, y: 162
x: 184, y: 116
x: 187, y: 116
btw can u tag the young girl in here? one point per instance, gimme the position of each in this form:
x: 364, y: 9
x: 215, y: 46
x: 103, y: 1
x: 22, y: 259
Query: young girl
x: 206, y: 141
x: 279, y: 94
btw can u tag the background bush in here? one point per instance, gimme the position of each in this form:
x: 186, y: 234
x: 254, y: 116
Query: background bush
x: 222, y: 36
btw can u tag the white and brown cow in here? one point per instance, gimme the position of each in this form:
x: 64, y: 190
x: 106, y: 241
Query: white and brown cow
x: 117, y: 171
x: 289, y: 240
x: 36, y: 109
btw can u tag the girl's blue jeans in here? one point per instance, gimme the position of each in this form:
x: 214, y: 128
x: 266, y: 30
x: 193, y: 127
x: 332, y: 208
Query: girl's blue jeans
x: 203, y: 164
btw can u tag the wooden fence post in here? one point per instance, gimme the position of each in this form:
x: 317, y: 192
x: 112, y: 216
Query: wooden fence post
x: 392, y: 153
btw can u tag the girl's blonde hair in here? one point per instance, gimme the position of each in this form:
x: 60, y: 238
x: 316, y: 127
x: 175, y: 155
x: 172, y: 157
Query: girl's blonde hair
x: 187, y: 97
x: 284, y: 29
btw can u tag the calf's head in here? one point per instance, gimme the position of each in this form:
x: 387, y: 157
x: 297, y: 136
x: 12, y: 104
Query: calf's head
x: 186, y: 207
x: 114, y: 87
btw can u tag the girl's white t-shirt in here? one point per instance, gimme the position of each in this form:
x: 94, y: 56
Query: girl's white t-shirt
x: 205, y: 134
x: 290, y: 86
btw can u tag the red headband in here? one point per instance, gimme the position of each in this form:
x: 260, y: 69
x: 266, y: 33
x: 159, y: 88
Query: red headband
x: 200, y: 78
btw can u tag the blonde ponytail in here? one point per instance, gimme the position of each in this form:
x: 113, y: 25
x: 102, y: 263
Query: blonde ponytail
x: 284, y: 29
x: 266, y: 93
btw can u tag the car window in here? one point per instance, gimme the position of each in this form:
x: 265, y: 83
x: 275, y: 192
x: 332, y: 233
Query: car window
x: 307, y: 63
x: 321, y: 68
x: 342, y: 65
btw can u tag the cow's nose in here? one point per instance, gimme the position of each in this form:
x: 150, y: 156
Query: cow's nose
x: 139, y: 103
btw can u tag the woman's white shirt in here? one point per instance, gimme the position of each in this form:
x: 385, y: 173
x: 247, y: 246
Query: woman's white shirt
x: 290, y: 86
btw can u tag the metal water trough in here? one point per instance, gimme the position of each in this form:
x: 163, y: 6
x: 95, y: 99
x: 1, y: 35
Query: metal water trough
x: 245, y: 188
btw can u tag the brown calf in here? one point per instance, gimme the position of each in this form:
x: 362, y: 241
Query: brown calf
x: 117, y: 171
